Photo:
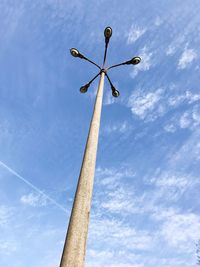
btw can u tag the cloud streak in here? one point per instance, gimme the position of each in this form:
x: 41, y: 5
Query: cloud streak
x: 186, y: 58
x: 32, y: 186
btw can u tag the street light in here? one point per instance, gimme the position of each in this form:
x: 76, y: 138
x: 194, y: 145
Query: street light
x: 84, y: 88
x: 107, y: 34
x: 74, y: 52
x: 133, y: 61
x: 75, y: 243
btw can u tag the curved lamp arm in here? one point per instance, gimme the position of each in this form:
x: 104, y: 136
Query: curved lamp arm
x: 75, y: 53
x: 85, y: 87
x: 111, y: 84
x: 133, y: 61
x: 91, y: 62
x: 94, y: 78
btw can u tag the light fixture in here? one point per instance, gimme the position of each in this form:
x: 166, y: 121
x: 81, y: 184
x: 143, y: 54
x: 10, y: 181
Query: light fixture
x: 83, y: 196
x: 84, y: 88
x: 115, y: 93
x: 107, y: 34
x: 133, y: 61
x: 74, y: 52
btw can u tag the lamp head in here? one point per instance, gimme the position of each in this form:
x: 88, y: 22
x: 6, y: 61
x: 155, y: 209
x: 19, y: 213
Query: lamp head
x: 74, y: 52
x: 84, y: 88
x: 134, y: 61
x: 107, y: 34
x: 115, y: 92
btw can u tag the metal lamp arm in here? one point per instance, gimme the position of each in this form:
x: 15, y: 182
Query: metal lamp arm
x: 94, y: 78
x: 116, y: 65
x: 112, y: 86
x: 105, y: 53
x: 87, y: 59
x: 134, y: 61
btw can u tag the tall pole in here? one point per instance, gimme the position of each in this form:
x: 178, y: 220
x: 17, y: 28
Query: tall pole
x: 75, y: 243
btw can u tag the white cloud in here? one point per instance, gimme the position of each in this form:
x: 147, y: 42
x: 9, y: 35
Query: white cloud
x: 150, y: 105
x: 176, y: 180
x: 142, y: 103
x: 108, y: 99
x: 187, y: 57
x: 115, y: 231
x: 34, y: 200
x: 169, y: 128
x: 117, y: 127
x: 185, y: 120
x: 187, y: 96
x: 172, y: 180
x: 158, y: 21
x: 126, y: 265
x: 5, y: 215
x: 189, y: 153
x: 7, y: 248
x: 111, y: 176
x: 121, y: 201
x: 115, y: 201
x: 181, y: 230
x: 171, y: 50
x: 119, y: 258
x: 145, y: 63
x: 172, y: 185
x: 190, y: 119
x: 135, y: 33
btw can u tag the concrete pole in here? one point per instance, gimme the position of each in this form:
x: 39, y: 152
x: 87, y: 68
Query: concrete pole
x: 75, y: 243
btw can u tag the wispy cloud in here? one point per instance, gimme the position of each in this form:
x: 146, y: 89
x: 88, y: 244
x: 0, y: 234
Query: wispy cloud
x: 135, y: 33
x: 181, y: 230
x: 7, y: 248
x: 189, y: 153
x: 188, y: 56
x: 108, y: 99
x: 122, y: 127
x: 5, y: 215
x: 34, y: 200
x: 143, y: 104
x: 191, y: 118
x: 170, y: 128
x: 153, y: 104
x: 158, y: 21
x: 187, y: 96
x: 115, y: 201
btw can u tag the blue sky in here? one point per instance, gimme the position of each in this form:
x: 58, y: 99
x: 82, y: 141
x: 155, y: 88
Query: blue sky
x: 145, y: 209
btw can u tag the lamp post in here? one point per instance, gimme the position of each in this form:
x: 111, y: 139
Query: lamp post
x: 75, y: 243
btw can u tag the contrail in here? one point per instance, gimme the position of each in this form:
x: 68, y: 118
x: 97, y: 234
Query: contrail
x: 32, y: 186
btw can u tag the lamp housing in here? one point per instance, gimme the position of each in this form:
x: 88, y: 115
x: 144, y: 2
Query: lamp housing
x: 133, y: 61
x: 115, y: 93
x: 75, y: 53
x: 84, y: 88
x: 107, y: 34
